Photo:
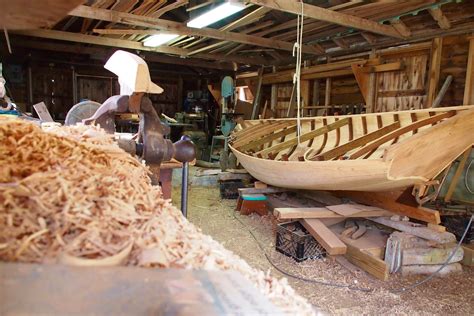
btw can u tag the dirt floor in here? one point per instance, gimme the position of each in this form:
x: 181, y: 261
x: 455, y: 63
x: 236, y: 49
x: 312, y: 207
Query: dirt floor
x: 452, y: 295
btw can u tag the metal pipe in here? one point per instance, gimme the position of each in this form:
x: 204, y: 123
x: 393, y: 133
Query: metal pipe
x: 184, y: 189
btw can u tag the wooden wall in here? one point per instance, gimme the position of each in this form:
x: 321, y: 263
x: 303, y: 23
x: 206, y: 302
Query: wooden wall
x: 52, y: 83
x: 395, y: 90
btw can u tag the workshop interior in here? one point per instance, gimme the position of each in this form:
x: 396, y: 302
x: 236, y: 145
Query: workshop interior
x: 236, y: 157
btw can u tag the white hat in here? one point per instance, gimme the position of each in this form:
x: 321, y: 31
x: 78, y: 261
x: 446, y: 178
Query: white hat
x: 132, y: 72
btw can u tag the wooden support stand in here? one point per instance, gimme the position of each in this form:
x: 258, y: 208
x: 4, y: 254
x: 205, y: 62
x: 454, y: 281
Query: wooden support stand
x: 252, y: 203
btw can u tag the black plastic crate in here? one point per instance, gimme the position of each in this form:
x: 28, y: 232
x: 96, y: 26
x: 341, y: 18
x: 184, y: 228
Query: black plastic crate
x: 457, y: 225
x: 230, y: 189
x: 293, y: 240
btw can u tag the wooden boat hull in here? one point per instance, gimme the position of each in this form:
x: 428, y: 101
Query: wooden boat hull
x: 411, y: 159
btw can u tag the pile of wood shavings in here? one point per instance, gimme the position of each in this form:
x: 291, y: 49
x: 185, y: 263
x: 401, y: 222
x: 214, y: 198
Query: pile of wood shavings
x: 71, y: 195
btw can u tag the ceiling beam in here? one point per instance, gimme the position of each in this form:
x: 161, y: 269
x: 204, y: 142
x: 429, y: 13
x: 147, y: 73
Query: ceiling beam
x: 182, y: 29
x: 104, y: 53
x: 326, y: 15
x: 439, y: 17
x: 341, y: 42
x: 401, y: 27
x: 104, y: 41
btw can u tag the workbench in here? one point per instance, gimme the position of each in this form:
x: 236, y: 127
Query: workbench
x: 32, y: 289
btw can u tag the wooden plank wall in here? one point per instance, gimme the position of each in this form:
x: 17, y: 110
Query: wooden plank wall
x: 404, y: 89
x: 395, y: 90
x: 454, y: 62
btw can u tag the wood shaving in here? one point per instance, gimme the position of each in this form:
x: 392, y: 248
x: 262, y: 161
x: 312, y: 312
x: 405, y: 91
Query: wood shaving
x: 71, y: 192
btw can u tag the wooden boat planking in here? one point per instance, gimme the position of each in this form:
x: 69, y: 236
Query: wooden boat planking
x: 367, y: 152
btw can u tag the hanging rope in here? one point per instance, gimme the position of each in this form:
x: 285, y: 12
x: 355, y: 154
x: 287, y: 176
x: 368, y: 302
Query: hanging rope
x: 297, y: 50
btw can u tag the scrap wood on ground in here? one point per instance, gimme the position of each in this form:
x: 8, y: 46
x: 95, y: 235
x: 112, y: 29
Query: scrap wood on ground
x: 70, y: 195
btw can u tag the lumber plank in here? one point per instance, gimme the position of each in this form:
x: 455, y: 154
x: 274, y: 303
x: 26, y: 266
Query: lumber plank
x: 304, y: 137
x: 366, y: 261
x: 468, y: 258
x: 419, y: 231
x: 395, y: 201
x: 182, y: 29
x: 327, y: 239
x: 384, y: 67
x: 322, y: 212
x: 326, y: 15
x: 430, y: 255
x: 398, y: 132
x: 358, y: 142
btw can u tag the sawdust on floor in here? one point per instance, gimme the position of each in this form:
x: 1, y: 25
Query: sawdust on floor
x: 451, y: 295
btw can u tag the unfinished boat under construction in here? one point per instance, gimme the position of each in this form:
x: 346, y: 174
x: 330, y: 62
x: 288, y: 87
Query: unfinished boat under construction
x: 365, y: 152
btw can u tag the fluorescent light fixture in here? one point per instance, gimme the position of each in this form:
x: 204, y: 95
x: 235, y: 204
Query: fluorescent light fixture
x: 218, y: 13
x: 159, y: 39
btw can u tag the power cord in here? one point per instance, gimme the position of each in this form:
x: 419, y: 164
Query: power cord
x: 350, y: 287
x: 414, y: 285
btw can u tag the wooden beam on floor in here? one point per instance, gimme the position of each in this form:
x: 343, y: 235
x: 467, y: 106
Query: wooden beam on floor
x: 322, y: 14
x: 416, y: 230
x: 323, y: 212
x: 369, y: 263
x: 439, y: 17
x: 329, y: 240
x: 182, y: 29
x: 402, y: 203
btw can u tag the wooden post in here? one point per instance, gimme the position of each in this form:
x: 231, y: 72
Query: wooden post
x: 305, y: 93
x: 315, y: 96
x: 469, y: 86
x: 436, y: 50
x: 180, y: 95
x: 327, y: 96
x: 274, y: 99
x: 257, y: 97
x: 371, y: 103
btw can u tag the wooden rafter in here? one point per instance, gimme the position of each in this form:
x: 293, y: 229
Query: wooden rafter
x: 104, y: 41
x: 253, y: 16
x: 442, y: 20
x: 181, y: 29
x: 169, y: 7
x: 341, y: 42
x: 335, y: 17
x: 401, y: 27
